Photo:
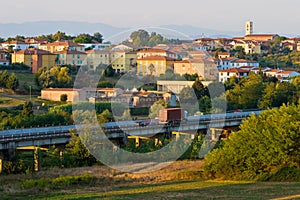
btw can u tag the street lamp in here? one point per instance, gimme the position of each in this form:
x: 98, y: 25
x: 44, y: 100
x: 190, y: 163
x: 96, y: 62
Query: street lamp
x: 30, y: 92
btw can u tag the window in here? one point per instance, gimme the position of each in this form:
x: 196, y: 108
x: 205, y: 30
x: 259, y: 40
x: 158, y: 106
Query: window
x: 78, y: 56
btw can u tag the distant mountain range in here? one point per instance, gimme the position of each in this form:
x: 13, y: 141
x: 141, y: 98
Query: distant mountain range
x: 111, y: 33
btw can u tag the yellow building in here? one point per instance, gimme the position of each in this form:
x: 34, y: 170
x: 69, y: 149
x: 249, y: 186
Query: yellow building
x: 122, y: 60
x: 154, y: 65
x: 62, y: 46
x: 205, y: 68
x: 34, y: 58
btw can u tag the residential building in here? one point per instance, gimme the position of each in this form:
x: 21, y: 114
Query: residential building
x: 249, y: 46
x: 286, y: 75
x: 222, y: 55
x: 145, y: 99
x: 242, y: 63
x: 196, y: 54
x: 62, y: 46
x: 272, y: 72
x: 152, y: 52
x: 204, y: 67
x: 14, y: 45
x: 70, y: 57
x: 3, y: 58
x: 96, y: 46
x: 123, y: 60
x: 34, y: 58
x: 234, y: 72
x: 154, y: 65
x: 54, y: 94
x: 176, y: 86
x: 98, y: 57
x: 127, y: 47
x: 225, y: 63
x: 261, y: 37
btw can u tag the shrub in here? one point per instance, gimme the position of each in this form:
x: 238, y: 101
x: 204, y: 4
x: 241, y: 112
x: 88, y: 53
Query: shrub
x: 264, y: 144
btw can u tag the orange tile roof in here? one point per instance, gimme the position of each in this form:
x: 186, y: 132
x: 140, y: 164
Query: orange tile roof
x: 234, y: 70
x: 33, y: 51
x: 61, y: 89
x: 63, y: 43
x: 14, y: 42
x: 157, y: 58
x: 286, y: 72
x: 69, y: 52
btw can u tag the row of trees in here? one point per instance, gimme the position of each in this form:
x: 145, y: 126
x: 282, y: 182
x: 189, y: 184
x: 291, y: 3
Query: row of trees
x: 56, y: 76
x: 143, y: 38
x: 253, y: 92
x: 59, y: 35
x: 259, y: 92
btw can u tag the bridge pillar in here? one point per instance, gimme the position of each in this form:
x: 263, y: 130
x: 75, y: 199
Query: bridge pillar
x: 36, y: 159
x: 137, y: 141
x: 213, y: 134
x: 1, y: 161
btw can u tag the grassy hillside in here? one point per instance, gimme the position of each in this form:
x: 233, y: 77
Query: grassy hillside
x: 181, y: 180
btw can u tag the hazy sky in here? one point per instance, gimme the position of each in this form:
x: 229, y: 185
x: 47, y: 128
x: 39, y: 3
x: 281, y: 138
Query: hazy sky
x: 276, y: 16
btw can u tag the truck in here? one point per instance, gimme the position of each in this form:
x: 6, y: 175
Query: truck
x: 171, y: 115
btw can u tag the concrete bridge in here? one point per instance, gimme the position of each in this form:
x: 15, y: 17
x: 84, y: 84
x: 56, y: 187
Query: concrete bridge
x: 60, y: 135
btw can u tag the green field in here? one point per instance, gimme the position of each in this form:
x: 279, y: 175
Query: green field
x: 191, y: 190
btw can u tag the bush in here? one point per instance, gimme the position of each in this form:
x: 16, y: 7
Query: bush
x: 57, y: 182
x: 139, y: 111
x: 63, y: 98
x: 72, y: 180
x: 264, y: 144
x: 40, y: 184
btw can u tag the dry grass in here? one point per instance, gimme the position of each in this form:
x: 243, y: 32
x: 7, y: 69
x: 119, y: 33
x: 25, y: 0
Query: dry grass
x: 180, y: 180
x: 6, y: 102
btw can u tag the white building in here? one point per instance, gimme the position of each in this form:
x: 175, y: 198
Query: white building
x: 15, y: 45
x: 227, y: 73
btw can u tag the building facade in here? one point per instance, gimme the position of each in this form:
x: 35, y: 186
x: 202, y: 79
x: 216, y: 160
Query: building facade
x: 34, y: 58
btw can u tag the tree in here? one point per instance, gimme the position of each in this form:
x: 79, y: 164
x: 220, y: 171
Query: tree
x: 63, y: 98
x: 247, y: 94
x: 156, y: 107
x: 83, y: 38
x: 61, y: 36
x: 151, y: 69
x: 140, y: 37
x: 3, y: 78
x: 64, y: 78
x: 79, y: 154
x: 187, y: 96
x: 54, y: 77
x: 109, y: 71
x: 12, y: 82
x: 27, y: 109
x: 265, y: 144
x: 98, y: 37
x: 200, y: 89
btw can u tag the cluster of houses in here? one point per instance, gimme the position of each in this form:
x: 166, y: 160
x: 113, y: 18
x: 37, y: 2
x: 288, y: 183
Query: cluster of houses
x: 131, y: 98
x: 191, y: 57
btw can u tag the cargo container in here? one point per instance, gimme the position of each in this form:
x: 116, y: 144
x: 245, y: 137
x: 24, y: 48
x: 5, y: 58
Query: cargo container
x: 171, y: 115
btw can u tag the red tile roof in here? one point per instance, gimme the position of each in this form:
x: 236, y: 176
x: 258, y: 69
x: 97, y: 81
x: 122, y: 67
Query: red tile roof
x: 157, y: 58
x: 33, y: 51
x: 234, y: 70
